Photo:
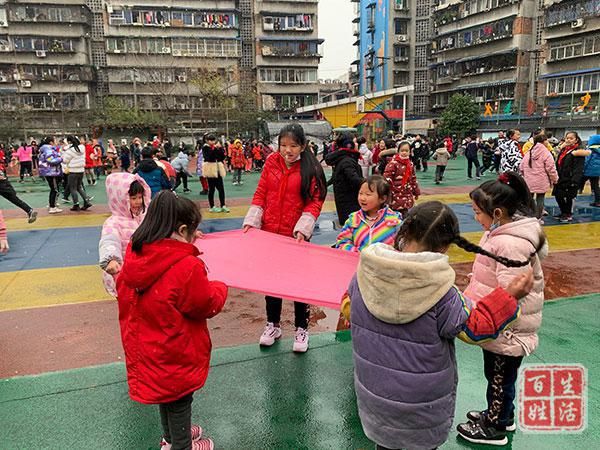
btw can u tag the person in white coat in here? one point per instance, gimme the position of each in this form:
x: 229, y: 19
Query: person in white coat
x: 74, y: 161
x: 366, y: 157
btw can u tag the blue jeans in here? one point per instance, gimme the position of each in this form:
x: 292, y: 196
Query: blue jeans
x: 501, y: 373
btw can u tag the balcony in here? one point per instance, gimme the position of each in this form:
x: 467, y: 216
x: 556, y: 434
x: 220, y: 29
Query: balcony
x: 48, y: 14
x: 571, y: 12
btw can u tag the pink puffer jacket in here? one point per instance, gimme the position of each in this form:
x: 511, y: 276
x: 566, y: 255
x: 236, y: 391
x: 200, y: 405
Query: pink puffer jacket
x: 516, y: 241
x: 118, y: 228
x: 539, y: 170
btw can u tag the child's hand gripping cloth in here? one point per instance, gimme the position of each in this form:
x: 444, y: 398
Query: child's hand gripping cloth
x: 276, y: 265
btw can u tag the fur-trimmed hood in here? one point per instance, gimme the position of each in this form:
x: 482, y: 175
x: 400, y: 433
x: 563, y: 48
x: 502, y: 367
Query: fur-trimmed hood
x: 400, y: 287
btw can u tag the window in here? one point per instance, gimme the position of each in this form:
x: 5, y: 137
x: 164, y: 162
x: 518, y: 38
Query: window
x: 298, y: 22
x: 400, y: 26
x: 288, y: 75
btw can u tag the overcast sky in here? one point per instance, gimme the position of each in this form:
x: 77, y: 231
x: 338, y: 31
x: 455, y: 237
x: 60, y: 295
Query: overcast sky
x: 335, y: 26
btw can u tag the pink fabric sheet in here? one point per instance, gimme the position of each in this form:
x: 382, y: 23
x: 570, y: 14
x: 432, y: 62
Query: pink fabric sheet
x: 279, y: 266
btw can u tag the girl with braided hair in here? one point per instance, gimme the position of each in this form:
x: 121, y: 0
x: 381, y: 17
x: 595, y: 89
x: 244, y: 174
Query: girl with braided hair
x: 405, y: 313
x: 506, y: 211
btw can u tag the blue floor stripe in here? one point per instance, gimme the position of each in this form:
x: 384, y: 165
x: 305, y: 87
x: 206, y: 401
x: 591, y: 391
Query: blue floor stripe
x: 68, y: 247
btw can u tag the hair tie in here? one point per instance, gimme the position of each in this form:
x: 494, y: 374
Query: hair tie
x: 504, y: 178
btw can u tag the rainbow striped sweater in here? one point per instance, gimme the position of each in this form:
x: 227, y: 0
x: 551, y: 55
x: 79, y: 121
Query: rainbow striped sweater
x: 357, y: 234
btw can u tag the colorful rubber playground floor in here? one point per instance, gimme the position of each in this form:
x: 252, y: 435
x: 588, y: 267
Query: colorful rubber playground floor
x: 62, y: 380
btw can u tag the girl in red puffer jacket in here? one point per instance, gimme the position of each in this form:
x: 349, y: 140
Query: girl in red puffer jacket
x: 400, y: 173
x: 288, y: 201
x: 164, y: 300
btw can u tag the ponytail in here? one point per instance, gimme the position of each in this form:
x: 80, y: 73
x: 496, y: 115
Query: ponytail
x: 435, y: 227
x: 166, y: 213
x: 473, y: 248
x: 311, y: 169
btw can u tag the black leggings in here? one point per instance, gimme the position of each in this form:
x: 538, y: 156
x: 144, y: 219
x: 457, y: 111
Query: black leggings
x: 76, y: 186
x: 25, y: 168
x: 176, y: 420
x: 539, y: 203
x: 53, y: 183
x: 216, y: 183
x: 301, y: 312
x: 181, y: 176
x: 8, y: 192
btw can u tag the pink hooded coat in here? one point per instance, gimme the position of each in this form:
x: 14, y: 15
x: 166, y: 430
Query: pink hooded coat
x: 516, y: 241
x: 118, y: 228
x: 542, y: 174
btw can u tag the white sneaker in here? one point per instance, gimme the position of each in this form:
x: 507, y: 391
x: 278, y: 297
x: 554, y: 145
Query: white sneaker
x: 270, y: 335
x: 301, y: 340
x: 54, y: 210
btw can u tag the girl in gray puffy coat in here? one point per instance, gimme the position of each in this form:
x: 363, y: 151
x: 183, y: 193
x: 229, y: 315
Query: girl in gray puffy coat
x: 405, y: 313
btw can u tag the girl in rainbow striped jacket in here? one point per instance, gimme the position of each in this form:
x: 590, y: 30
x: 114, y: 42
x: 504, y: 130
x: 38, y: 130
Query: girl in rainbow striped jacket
x: 374, y: 222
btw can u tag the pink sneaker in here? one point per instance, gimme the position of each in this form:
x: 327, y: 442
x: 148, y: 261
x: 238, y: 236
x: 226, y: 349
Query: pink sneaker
x: 203, y: 444
x: 196, y: 435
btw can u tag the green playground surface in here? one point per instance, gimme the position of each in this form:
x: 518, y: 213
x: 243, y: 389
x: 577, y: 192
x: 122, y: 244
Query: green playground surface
x: 275, y: 399
x: 36, y: 193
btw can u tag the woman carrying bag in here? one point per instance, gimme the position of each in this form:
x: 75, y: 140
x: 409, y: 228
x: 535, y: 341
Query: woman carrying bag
x: 214, y: 171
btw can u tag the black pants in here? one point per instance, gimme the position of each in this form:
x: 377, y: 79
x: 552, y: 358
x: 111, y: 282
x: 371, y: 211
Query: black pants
x: 424, y: 162
x: 565, y: 203
x: 539, y: 204
x: 181, y: 176
x: 501, y: 373
x: 301, y: 312
x: 237, y: 175
x: 176, y: 420
x: 497, y: 159
x: 470, y: 163
x: 53, y: 183
x: 486, y: 163
x: 76, y: 186
x: 65, y: 186
x: 25, y: 167
x: 8, y: 192
x: 594, y: 182
x: 439, y: 173
x: 216, y: 183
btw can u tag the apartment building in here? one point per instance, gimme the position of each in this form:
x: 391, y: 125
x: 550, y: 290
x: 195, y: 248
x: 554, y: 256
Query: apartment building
x: 485, y: 48
x: 72, y: 56
x: 287, y: 53
x: 569, y: 81
x: 156, y: 55
x: 392, y: 40
x: 45, y: 71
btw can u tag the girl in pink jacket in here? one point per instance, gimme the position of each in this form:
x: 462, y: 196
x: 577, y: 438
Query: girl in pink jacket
x: 539, y: 171
x: 128, y: 199
x: 505, y: 210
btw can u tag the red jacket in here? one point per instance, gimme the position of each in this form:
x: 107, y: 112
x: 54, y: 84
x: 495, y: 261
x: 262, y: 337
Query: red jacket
x: 237, y: 157
x: 279, y: 195
x: 404, y: 184
x: 164, y: 300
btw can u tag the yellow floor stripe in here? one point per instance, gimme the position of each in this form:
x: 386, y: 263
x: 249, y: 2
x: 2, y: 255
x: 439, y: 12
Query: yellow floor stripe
x: 56, y: 286
x: 82, y: 284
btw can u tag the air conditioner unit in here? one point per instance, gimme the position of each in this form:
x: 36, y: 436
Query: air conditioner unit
x: 4, y: 48
x: 109, y: 8
x: 116, y: 50
x: 268, y: 26
x: 182, y: 78
x: 17, y: 76
x: 177, y: 53
x: 26, y: 83
x: 40, y: 53
x: 3, y: 79
x: 401, y: 38
x: 166, y: 50
x: 479, y: 99
x: 579, y: 23
x: 183, y: 106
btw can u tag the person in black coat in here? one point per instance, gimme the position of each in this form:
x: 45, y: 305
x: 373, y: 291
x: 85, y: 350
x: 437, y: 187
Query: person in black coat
x: 347, y: 176
x: 570, y: 167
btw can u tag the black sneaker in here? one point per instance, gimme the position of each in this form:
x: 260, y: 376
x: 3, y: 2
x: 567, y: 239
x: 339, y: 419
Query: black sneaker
x: 32, y: 216
x: 479, y: 433
x: 86, y: 206
x: 475, y: 416
x: 203, y: 192
x: 75, y: 207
